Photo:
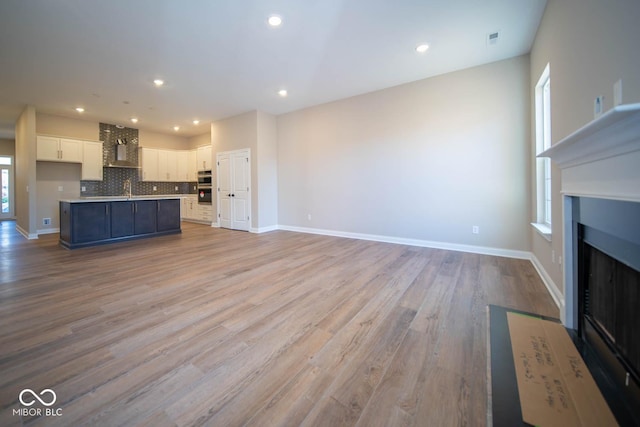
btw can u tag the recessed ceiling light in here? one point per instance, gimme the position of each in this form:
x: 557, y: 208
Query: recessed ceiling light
x: 80, y: 109
x: 196, y: 122
x: 158, y: 82
x: 422, y: 48
x: 282, y: 92
x: 274, y: 21
x: 176, y: 128
x: 134, y: 119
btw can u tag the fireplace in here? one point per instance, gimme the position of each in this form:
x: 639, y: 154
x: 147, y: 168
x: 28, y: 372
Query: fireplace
x: 600, y: 171
x: 607, y: 245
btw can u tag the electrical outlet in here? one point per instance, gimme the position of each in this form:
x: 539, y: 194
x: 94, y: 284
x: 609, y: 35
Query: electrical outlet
x: 155, y: 188
x: 60, y: 188
x: 309, y: 217
x: 475, y: 229
x: 176, y: 188
x: 83, y: 189
x: 617, y: 93
x: 46, y: 221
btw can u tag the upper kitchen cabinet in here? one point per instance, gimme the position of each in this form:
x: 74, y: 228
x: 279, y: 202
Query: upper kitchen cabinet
x: 52, y: 149
x: 92, y: 161
x: 182, y: 158
x: 192, y: 165
x: 150, y: 171
x: 204, y: 158
x: 168, y: 166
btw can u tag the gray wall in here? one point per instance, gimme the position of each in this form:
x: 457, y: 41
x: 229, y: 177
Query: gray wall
x: 589, y: 44
x: 425, y: 160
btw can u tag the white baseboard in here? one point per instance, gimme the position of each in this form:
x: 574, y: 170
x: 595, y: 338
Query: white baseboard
x: 508, y: 253
x: 49, y: 231
x: 557, y: 296
x: 26, y: 234
x: 264, y: 229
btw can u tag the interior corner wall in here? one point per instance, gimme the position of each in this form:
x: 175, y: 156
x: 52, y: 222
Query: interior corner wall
x: 7, y: 147
x: 589, y: 45
x: 424, y: 161
x: 25, y: 191
x: 199, y: 140
x: 267, y: 167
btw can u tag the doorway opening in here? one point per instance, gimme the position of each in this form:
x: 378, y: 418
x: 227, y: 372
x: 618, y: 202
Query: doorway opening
x: 7, y: 188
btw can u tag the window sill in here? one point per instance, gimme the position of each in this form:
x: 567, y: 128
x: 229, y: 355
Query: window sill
x: 542, y: 229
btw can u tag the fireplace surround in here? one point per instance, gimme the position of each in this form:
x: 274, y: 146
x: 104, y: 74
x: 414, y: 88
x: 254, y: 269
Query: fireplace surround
x: 600, y: 171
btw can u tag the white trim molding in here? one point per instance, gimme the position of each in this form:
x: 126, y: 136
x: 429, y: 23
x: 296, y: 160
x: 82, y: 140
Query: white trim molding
x: 48, y: 231
x: 26, y: 234
x: 551, y: 286
x: 483, y: 250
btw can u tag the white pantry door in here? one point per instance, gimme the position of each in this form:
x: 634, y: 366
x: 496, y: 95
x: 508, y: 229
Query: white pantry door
x: 234, y: 200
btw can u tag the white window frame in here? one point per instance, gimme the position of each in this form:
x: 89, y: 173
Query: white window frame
x: 543, y: 165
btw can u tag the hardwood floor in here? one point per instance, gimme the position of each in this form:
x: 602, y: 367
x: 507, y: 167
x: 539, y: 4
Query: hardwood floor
x: 224, y: 328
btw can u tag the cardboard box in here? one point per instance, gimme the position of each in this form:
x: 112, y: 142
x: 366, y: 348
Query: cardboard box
x: 555, y: 386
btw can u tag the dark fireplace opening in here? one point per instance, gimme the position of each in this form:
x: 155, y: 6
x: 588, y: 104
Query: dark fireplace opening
x: 607, y: 248
x: 611, y: 305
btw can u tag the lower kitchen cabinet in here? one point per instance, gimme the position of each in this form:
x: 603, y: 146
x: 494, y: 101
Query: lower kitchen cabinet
x: 168, y: 215
x: 87, y: 223
x: 122, y: 219
x: 91, y: 222
x: 133, y: 217
x: 196, y: 212
x: 145, y: 217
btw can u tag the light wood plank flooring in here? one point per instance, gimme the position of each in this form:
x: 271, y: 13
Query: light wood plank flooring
x: 223, y: 328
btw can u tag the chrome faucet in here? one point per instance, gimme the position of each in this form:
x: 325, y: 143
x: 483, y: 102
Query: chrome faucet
x: 126, y: 188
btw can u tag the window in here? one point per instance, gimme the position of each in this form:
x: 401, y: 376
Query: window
x: 543, y: 142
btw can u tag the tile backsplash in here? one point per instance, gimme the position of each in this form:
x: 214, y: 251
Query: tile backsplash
x: 110, y: 135
x: 113, y: 179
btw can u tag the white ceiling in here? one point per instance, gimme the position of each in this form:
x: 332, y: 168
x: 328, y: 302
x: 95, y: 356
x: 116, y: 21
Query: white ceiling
x: 219, y: 58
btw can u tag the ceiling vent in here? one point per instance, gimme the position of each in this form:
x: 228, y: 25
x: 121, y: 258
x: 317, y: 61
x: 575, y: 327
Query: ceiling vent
x: 492, y: 38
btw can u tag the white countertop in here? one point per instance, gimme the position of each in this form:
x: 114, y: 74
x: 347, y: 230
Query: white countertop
x: 125, y: 198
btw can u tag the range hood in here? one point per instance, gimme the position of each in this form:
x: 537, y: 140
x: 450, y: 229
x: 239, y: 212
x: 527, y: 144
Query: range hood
x: 122, y: 164
x: 120, y: 146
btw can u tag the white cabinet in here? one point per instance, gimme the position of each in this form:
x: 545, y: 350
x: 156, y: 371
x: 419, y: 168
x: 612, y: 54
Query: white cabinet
x: 189, y: 205
x: 192, y: 165
x: 182, y: 158
x: 191, y: 210
x: 167, y: 166
x: 150, y: 164
x: 164, y: 165
x: 204, y: 158
x: 54, y: 149
x: 91, y: 161
x: 204, y: 213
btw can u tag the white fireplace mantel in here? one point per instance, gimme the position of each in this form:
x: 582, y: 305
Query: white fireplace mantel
x: 614, y: 133
x: 601, y: 160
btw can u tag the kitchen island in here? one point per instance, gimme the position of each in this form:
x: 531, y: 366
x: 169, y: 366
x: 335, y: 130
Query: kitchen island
x: 99, y: 220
